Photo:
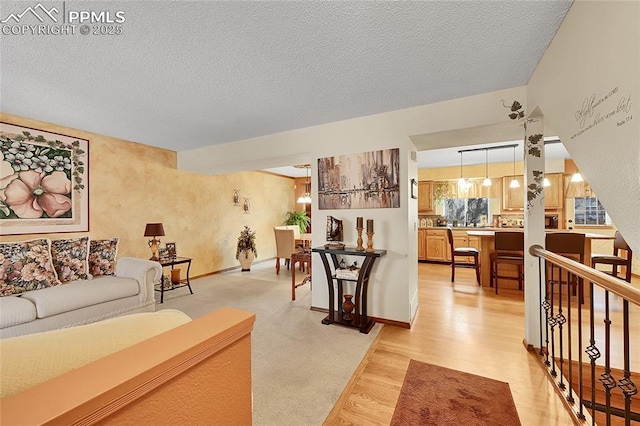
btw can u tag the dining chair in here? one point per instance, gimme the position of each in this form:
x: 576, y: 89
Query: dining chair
x: 570, y: 245
x: 296, y: 234
x: 285, y: 246
x: 509, y: 250
x: 615, y: 260
x: 463, y: 251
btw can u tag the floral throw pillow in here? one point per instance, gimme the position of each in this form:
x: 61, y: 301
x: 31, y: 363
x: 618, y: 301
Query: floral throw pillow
x: 70, y: 258
x: 102, y: 257
x: 26, y: 266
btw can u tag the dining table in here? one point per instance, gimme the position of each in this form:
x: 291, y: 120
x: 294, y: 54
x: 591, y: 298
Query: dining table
x: 304, y: 240
x: 487, y: 246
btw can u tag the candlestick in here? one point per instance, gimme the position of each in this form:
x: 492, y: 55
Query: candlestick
x: 359, y: 247
x: 358, y: 222
x: 369, y: 225
x: 369, y: 242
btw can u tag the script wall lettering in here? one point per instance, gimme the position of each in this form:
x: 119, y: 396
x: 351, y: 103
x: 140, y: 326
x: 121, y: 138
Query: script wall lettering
x: 596, y: 109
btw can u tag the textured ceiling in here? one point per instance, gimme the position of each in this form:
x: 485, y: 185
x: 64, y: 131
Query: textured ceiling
x: 189, y: 74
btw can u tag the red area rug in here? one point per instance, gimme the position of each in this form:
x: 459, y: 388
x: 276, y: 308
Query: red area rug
x: 433, y: 395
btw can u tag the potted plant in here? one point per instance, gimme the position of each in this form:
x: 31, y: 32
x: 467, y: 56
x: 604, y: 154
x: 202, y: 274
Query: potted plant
x: 298, y: 218
x: 246, y: 249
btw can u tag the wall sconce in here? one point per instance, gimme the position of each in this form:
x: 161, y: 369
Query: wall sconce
x: 154, y: 230
x: 246, y: 206
x: 236, y: 197
x: 514, y: 182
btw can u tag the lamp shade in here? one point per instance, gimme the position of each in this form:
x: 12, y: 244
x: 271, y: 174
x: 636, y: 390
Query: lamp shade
x: 154, y: 230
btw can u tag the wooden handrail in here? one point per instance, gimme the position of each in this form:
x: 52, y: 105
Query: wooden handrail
x: 607, y: 282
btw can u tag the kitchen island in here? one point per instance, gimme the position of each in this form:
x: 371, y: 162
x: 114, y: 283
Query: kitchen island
x: 486, y: 239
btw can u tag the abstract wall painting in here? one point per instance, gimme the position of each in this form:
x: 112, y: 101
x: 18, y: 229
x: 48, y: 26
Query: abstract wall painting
x: 366, y: 180
x: 44, y: 182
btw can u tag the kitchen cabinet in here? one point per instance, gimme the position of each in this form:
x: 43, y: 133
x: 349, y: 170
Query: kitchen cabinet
x: 513, y: 198
x: 461, y: 239
x: 422, y: 244
x: 425, y: 196
x: 554, y: 194
x: 437, y: 245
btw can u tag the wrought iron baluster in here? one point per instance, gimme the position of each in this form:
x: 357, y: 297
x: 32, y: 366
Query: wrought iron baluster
x: 606, y: 379
x: 593, y: 353
x: 543, y: 308
x: 546, y: 305
x: 625, y: 384
x: 580, y: 412
x: 552, y: 323
x: 570, y: 276
x: 561, y: 320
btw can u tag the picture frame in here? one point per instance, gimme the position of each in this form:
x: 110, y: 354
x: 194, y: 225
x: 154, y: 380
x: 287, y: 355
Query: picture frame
x: 414, y: 189
x: 365, y: 180
x: 56, y: 161
x: 163, y: 253
x: 171, y: 250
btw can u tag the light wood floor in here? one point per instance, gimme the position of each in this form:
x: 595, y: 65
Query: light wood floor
x: 458, y: 326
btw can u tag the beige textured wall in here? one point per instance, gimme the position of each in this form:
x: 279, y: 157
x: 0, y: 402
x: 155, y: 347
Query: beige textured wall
x: 131, y: 184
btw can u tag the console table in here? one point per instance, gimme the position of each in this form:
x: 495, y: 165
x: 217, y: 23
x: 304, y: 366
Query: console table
x: 360, y: 319
x: 181, y: 283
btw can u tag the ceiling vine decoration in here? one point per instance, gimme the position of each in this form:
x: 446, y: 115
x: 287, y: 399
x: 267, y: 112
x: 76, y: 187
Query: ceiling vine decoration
x: 534, y: 145
x: 516, y: 108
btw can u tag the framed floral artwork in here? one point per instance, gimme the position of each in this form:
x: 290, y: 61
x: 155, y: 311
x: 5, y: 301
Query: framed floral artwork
x: 44, y: 182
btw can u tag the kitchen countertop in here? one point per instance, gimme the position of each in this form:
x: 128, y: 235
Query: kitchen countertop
x: 471, y: 228
x: 487, y: 238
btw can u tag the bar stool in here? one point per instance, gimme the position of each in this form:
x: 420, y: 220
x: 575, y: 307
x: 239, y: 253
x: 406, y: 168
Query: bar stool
x: 509, y: 249
x: 463, y: 251
x: 570, y: 245
x: 615, y: 260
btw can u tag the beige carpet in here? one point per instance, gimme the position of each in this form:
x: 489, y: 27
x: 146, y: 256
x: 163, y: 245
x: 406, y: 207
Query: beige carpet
x: 300, y: 366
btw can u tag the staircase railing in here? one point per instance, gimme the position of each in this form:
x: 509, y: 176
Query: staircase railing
x: 570, y: 328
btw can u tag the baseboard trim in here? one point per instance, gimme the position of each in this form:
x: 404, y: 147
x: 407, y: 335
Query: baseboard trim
x: 376, y: 319
x: 528, y: 346
x: 394, y: 323
x: 233, y: 268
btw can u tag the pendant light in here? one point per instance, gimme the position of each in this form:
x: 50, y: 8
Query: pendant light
x: 546, y: 182
x: 462, y: 183
x: 306, y: 197
x: 486, y: 181
x: 577, y: 177
x: 514, y: 182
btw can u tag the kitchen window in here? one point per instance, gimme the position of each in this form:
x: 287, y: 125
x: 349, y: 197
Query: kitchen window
x: 589, y: 211
x: 466, y: 211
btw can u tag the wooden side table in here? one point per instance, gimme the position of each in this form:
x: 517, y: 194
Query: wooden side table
x: 360, y: 318
x: 302, y: 257
x: 174, y: 285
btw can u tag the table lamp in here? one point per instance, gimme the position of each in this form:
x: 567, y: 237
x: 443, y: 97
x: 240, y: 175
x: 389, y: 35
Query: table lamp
x: 154, y: 230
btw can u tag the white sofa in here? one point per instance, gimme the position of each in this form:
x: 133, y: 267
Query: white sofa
x: 80, y: 302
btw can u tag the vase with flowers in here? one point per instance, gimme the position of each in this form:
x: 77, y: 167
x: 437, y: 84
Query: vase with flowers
x: 246, y: 248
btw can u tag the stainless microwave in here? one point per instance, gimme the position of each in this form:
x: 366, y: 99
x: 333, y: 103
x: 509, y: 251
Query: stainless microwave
x: 551, y: 221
